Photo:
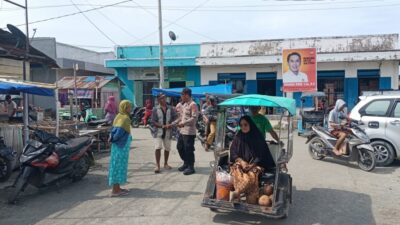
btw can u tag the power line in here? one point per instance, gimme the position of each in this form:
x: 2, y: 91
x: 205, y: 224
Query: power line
x: 176, y: 20
x: 97, y: 28
x: 296, y: 10
x: 205, y: 7
x: 154, y: 15
x: 209, y: 10
x: 116, y: 24
x: 76, y: 13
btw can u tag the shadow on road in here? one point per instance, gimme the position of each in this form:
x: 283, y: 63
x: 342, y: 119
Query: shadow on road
x: 92, y: 185
x: 148, y: 193
x: 378, y: 170
x: 315, y: 206
x: 36, y: 205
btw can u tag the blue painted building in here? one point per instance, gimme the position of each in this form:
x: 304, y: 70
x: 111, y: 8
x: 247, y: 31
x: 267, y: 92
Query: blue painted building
x: 138, y: 69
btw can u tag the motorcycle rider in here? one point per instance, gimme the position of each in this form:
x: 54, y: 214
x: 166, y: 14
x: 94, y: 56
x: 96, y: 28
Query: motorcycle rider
x: 205, y: 103
x: 210, y: 119
x: 336, y: 128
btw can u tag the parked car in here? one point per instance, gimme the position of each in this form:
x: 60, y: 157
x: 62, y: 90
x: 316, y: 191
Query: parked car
x: 381, y: 117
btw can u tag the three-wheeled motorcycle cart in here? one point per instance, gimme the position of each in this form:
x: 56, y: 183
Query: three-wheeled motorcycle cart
x: 281, y: 152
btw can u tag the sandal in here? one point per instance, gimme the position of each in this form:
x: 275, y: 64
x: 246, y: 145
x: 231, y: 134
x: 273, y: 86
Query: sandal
x: 120, y: 194
x: 157, y: 170
x: 125, y: 190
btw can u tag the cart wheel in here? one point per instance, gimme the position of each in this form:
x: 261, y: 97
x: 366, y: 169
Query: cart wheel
x: 214, y: 210
x: 284, y: 216
x: 316, y: 143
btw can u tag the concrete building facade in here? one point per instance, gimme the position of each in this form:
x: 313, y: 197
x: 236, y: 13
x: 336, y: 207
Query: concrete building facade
x: 346, y: 66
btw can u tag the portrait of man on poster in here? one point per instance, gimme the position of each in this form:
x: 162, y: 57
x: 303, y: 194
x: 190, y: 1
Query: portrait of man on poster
x: 294, y: 75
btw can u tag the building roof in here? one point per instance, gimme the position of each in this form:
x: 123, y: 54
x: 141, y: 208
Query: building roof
x: 84, y: 82
x: 12, y: 46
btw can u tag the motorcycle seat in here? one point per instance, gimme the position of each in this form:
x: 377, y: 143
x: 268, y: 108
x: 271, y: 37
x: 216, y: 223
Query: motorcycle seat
x: 72, y: 145
x: 321, y: 129
x: 94, y: 123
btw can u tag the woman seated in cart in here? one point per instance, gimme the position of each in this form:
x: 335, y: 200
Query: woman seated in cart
x: 249, y: 154
x: 249, y: 145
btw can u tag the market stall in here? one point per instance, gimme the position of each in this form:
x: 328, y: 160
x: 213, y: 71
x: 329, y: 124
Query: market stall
x: 13, y: 132
x: 90, y: 90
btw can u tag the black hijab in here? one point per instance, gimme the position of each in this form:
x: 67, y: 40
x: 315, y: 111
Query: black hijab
x: 251, y: 146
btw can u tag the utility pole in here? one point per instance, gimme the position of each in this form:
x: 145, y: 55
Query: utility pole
x: 75, y: 90
x: 26, y: 103
x: 161, y: 45
x: 24, y: 67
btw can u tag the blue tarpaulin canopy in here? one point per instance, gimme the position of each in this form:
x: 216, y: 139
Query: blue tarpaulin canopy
x: 197, y: 91
x: 16, y: 87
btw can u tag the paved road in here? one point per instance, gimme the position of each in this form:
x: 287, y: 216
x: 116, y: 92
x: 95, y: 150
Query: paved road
x: 325, y: 192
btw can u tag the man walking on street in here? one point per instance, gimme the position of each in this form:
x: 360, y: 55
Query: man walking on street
x: 162, y: 117
x: 187, y: 125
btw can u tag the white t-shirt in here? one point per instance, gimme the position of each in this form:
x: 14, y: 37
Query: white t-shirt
x: 290, y: 77
x: 10, y: 108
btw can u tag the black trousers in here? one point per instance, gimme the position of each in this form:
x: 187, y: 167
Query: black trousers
x: 180, y: 147
x: 186, y: 149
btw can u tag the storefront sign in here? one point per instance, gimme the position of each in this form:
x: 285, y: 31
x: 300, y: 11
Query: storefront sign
x: 144, y: 74
x: 83, y: 93
x: 299, y: 70
x: 176, y: 74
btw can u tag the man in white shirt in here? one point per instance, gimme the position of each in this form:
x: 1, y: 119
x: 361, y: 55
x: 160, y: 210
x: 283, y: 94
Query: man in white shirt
x: 11, y: 107
x: 293, y: 75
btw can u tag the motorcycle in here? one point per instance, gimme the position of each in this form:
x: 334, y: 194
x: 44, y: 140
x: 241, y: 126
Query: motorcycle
x: 137, y: 117
x: 46, y: 160
x: 321, y: 144
x: 7, y: 156
x: 88, y: 115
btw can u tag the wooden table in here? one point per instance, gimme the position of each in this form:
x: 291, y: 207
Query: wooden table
x: 97, y: 132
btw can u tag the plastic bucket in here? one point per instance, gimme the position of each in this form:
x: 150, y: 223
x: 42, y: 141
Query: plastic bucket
x: 223, y: 190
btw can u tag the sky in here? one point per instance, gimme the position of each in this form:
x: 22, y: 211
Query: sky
x: 135, y: 22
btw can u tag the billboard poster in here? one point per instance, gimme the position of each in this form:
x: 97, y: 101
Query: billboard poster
x: 299, y: 70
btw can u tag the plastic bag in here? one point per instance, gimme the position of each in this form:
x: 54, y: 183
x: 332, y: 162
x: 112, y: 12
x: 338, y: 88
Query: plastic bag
x: 224, y: 184
x: 223, y: 176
